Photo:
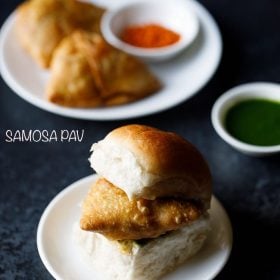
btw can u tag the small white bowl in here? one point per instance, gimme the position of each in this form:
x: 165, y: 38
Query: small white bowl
x: 176, y: 15
x: 268, y: 91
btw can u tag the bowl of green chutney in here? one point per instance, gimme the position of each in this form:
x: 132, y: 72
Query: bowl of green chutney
x: 247, y: 117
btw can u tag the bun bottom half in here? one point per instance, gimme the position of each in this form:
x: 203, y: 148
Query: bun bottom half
x: 144, y: 260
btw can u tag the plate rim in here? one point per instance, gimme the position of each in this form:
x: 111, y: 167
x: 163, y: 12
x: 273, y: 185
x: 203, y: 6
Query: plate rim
x: 91, y: 114
x: 88, y: 180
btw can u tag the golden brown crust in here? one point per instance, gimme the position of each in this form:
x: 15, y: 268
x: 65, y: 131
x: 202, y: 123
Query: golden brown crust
x: 121, y: 78
x: 71, y: 82
x: 87, y: 72
x: 107, y: 210
x: 181, y: 167
x: 42, y: 24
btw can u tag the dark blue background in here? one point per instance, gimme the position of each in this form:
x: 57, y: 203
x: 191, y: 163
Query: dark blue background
x: 32, y: 174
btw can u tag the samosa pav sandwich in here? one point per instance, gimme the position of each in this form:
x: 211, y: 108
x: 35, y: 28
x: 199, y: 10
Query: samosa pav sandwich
x: 147, y: 211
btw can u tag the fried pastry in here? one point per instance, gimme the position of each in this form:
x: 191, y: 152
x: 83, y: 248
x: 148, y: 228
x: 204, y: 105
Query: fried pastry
x: 107, y: 210
x: 42, y: 24
x: 87, y: 72
x: 121, y: 78
x: 71, y: 83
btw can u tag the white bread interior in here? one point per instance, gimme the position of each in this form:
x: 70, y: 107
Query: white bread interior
x: 120, y: 166
x: 148, y: 163
x: 143, y: 262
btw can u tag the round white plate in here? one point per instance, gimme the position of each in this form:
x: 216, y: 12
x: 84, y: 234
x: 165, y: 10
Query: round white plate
x: 61, y: 255
x: 182, y: 76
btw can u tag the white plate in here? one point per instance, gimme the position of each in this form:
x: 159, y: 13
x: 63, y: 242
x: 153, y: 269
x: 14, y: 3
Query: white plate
x: 182, y: 76
x: 61, y: 255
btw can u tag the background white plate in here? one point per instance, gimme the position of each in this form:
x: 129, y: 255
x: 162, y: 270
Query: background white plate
x: 182, y: 76
x: 61, y: 255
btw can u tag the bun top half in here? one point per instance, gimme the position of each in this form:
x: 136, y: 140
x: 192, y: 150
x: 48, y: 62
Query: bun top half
x: 146, y: 162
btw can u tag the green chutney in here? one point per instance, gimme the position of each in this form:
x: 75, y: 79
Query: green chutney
x: 255, y: 121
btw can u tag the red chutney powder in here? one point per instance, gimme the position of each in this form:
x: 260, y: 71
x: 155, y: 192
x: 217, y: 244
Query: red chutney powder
x: 149, y: 36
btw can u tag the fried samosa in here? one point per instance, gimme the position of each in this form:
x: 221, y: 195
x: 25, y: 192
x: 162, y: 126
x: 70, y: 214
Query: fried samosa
x: 71, y: 83
x: 87, y: 72
x: 42, y: 24
x: 108, y: 210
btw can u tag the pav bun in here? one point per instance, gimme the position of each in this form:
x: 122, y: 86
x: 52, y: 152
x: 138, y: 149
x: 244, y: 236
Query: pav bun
x: 147, y: 261
x: 149, y: 163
